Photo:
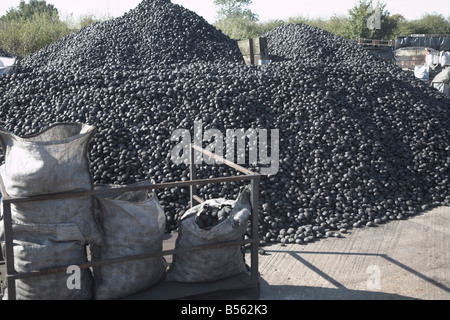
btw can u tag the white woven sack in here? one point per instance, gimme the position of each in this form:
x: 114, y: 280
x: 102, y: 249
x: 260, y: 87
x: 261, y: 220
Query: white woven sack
x: 133, y: 224
x: 444, y: 59
x: 48, y: 246
x: 52, y: 161
x: 211, y: 264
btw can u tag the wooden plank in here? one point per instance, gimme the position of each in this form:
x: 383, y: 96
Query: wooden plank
x: 412, y: 58
x: 260, y: 48
x: 376, y: 42
x: 198, y: 199
x: 259, y: 60
x: 408, y: 53
x: 248, y: 59
x: 254, y: 50
x: 409, y: 64
x: 246, y: 47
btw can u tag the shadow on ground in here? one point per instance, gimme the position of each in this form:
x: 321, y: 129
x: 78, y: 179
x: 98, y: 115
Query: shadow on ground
x: 285, y: 292
x: 290, y: 292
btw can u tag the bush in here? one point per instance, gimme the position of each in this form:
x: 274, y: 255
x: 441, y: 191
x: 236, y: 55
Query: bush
x: 238, y: 28
x: 24, y: 36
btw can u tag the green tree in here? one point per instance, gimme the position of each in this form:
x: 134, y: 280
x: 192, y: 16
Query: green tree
x: 234, y: 9
x: 429, y: 23
x: 78, y: 22
x: 432, y: 23
x: 236, y: 20
x: 238, y: 28
x: 337, y: 25
x: 30, y: 27
x: 25, y: 36
x: 392, y: 25
x: 28, y: 10
x: 367, y: 20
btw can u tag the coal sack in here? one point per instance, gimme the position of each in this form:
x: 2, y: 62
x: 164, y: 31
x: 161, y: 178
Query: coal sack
x: 361, y: 142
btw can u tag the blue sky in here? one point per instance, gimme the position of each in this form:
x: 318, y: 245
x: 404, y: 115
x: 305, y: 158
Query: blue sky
x: 266, y: 9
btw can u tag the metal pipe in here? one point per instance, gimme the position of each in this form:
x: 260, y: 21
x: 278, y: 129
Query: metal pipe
x: 99, y: 263
x: 224, y: 161
x: 77, y: 194
x: 192, y: 176
x: 255, y: 216
x: 9, y: 250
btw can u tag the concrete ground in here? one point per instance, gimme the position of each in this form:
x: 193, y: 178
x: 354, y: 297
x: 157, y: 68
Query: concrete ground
x: 402, y: 259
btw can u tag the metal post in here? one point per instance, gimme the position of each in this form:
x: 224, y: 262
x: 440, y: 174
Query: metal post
x: 193, y: 176
x: 9, y: 250
x: 254, y: 246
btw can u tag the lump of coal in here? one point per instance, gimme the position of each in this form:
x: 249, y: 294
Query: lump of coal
x: 212, y: 216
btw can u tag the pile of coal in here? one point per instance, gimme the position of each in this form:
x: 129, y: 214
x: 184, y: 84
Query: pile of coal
x: 156, y: 32
x: 306, y: 44
x: 7, y: 54
x: 361, y: 141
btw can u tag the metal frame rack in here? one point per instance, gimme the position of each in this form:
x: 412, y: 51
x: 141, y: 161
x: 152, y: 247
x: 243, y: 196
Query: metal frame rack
x: 162, y: 290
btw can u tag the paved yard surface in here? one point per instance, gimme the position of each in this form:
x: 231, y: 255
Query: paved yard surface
x: 406, y: 259
x: 402, y: 259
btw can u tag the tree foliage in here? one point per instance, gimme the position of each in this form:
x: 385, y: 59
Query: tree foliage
x: 431, y: 24
x: 23, y: 36
x: 235, y: 9
x: 32, y: 26
x: 360, y: 22
x: 29, y: 10
x: 367, y: 20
